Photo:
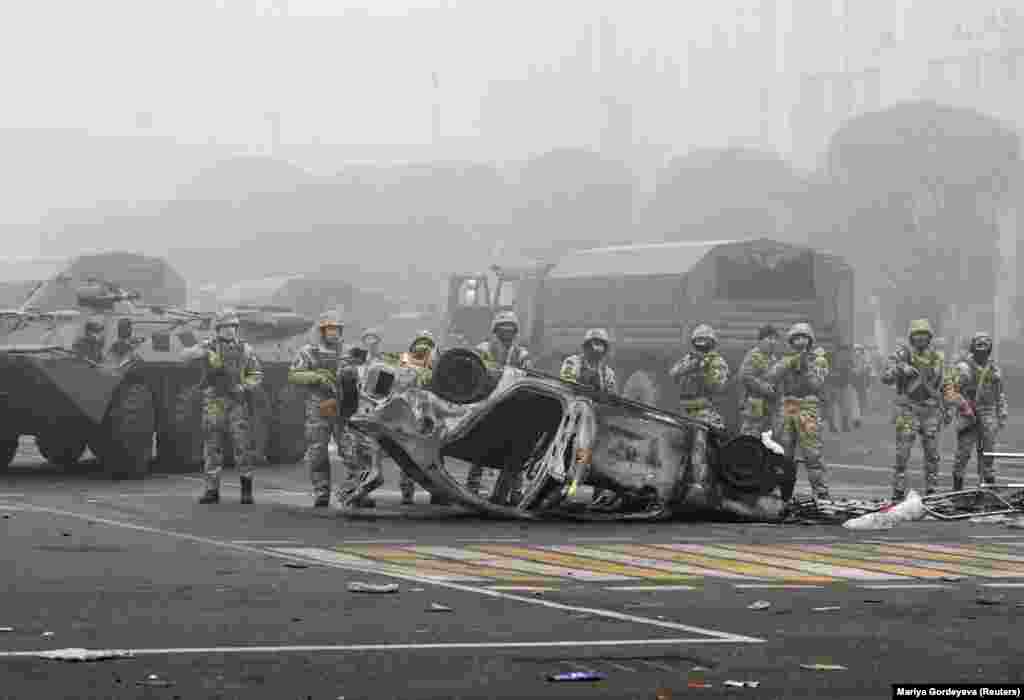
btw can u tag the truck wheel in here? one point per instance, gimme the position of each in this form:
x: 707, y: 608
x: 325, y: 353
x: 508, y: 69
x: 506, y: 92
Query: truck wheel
x: 8, y: 448
x: 180, y: 446
x: 286, y: 443
x: 125, y: 439
x: 62, y: 450
x: 641, y: 386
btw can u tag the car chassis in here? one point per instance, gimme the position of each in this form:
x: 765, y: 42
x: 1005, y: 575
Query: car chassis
x: 566, y: 441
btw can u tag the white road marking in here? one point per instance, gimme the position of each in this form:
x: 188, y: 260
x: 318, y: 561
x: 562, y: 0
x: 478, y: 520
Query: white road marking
x: 716, y: 636
x: 908, y: 586
x: 1003, y: 585
x: 996, y: 537
x: 12, y: 495
x: 651, y: 588
x: 341, y: 648
x: 257, y: 542
x: 522, y: 588
x: 781, y: 586
x: 620, y: 667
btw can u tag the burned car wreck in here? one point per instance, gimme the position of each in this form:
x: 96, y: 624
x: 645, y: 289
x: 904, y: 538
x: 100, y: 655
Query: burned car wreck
x: 566, y: 441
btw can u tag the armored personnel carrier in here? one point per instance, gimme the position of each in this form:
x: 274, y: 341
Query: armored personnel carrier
x: 85, y: 362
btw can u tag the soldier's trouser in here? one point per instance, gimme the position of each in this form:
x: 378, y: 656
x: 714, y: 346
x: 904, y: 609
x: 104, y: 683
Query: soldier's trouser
x: 756, y: 416
x: 697, y: 437
x: 863, y: 402
x: 976, y: 434
x: 319, y: 431
x: 912, y: 420
x: 798, y: 431
x: 360, y: 454
x: 225, y: 419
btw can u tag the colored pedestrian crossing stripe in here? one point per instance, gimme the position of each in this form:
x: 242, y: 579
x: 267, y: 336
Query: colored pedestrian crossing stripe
x: 682, y: 566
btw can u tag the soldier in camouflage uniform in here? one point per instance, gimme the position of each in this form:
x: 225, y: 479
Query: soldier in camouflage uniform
x: 918, y: 373
x: 759, y: 398
x: 799, y: 376
x: 976, y: 387
x: 590, y: 368
x: 230, y: 370
x: 701, y: 374
x: 502, y: 350
x: 316, y: 367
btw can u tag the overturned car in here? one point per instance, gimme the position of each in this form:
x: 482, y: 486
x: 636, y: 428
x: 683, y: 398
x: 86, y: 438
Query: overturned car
x: 565, y: 441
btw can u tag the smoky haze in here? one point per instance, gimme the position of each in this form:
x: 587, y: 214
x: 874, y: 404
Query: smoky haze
x: 393, y: 143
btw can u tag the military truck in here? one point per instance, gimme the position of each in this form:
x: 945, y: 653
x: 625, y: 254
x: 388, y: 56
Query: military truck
x: 650, y: 297
x: 121, y: 407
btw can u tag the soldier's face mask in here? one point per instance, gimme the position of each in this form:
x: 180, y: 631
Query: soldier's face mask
x: 800, y: 342
x: 920, y: 341
x: 506, y: 333
x: 595, y: 349
x: 227, y: 333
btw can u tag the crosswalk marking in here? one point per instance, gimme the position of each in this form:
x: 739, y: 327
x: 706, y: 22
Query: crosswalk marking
x: 683, y: 567
x: 859, y: 560
x: 721, y: 567
x: 624, y: 573
x: 822, y: 569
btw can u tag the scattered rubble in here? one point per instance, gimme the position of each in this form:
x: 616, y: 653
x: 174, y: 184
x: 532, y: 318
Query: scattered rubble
x: 360, y: 587
x: 437, y: 607
x: 759, y: 605
x: 577, y: 676
x: 823, y: 667
x: 741, y: 684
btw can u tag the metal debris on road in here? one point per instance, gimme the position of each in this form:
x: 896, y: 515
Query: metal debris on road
x: 417, y: 590
x: 154, y: 681
x: 47, y: 634
x: 295, y: 565
x: 577, y: 676
x: 989, y: 600
x: 823, y: 667
x: 759, y: 605
x: 360, y: 587
x: 741, y: 684
x: 873, y: 600
x: 76, y: 654
x: 827, y: 608
x: 6, y: 629
x: 437, y: 607
x: 952, y: 578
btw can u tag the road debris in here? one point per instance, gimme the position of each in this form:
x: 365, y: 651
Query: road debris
x: 47, y: 634
x: 827, y: 608
x: 741, y: 684
x: 437, y: 607
x: 952, y: 578
x: 76, y: 654
x: 295, y: 565
x: 910, y: 509
x: 360, y: 587
x: 577, y: 676
x: 759, y: 605
x: 989, y: 600
x: 823, y: 667
x: 155, y: 681
x: 873, y: 600
x: 417, y: 590
x: 6, y: 629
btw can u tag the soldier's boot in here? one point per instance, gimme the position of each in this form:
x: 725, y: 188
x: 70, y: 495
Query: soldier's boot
x: 211, y: 495
x: 322, y: 498
x: 958, y: 482
x: 246, y: 490
x: 365, y: 502
x: 408, y: 492
x: 408, y: 498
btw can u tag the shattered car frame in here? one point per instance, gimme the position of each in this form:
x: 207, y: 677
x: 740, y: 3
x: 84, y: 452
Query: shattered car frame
x: 567, y: 441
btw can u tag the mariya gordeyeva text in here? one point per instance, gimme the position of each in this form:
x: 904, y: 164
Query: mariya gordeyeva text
x: 979, y: 691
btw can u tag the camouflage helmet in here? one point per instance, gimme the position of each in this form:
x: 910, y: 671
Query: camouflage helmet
x: 980, y: 340
x: 704, y: 332
x: 225, y: 318
x: 370, y: 333
x: 599, y: 335
x: 330, y: 319
x: 803, y: 329
x: 504, y: 318
x: 422, y: 335
x: 920, y: 325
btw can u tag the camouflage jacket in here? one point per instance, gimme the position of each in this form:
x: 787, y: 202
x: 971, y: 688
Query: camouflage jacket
x: 700, y: 375
x: 755, y: 367
x: 316, y: 367
x: 800, y: 375
x: 576, y: 369
x: 930, y: 382
x: 980, y: 384
x: 228, y: 365
x: 495, y: 354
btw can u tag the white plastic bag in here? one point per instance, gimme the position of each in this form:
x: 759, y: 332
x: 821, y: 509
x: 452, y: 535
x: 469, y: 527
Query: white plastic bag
x: 911, y: 508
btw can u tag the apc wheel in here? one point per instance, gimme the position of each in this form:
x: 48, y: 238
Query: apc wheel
x: 286, y: 443
x: 8, y: 448
x: 180, y: 446
x: 125, y: 440
x: 61, y: 450
x: 642, y: 387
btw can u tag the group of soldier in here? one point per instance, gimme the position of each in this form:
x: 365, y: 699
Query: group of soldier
x: 784, y: 390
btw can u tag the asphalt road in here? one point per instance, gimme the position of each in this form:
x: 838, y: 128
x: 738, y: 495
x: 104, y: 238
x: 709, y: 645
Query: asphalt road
x: 234, y: 601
